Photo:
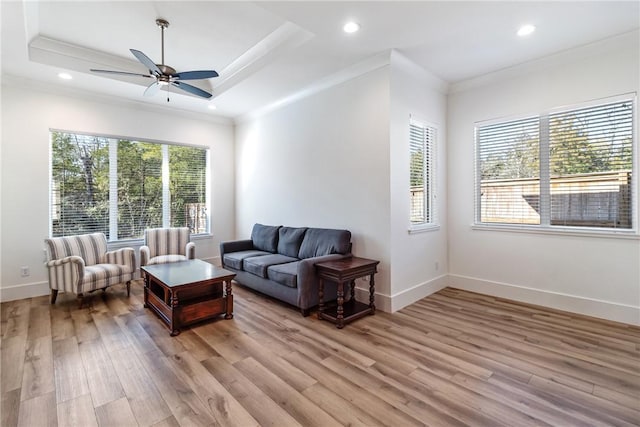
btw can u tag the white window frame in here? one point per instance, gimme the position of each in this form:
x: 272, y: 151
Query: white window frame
x: 113, y: 197
x: 429, y: 182
x: 545, y: 227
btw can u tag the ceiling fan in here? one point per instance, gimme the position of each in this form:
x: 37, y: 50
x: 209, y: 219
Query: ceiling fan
x: 165, y: 75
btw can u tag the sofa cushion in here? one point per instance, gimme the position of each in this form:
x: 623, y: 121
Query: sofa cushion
x: 285, y: 274
x: 265, y: 237
x: 258, y: 264
x: 235, y: 259
x: 289, y: 240
x: 324, y: 241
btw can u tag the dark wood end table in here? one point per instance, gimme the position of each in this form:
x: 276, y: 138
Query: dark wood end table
x: 185, y: 292
x: 343, y: 271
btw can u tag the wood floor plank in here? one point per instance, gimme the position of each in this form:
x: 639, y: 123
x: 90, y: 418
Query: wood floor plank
x: 224, y: 408
x: 147, y: 404
x: 116, y: 413
x: 102, y: 379
x: 38, y: 378
x: 453, y: 358
x: 10, y: 408
x: 70, y: 376
x: 261, y: 407
x: 77, y: 412
x: 39, y: 411
x: 12, y: 355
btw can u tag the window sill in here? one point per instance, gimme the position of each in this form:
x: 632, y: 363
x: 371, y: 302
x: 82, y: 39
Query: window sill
x: 118, y: 244
x: 559, y: 231
x: 423, y: 228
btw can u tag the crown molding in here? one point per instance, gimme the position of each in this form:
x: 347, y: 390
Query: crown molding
x: 85, y: 95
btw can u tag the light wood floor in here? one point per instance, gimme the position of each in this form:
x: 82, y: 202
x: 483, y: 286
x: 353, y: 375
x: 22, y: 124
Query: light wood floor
x: 454, y: 358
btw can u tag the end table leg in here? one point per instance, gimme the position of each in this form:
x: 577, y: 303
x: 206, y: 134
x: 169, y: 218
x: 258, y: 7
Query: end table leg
x: 229, y: 299
x: 174, y: 326
x: 340, y: 311
x: 320, y: 297
x: 372, y: 291
x: 353, y: 291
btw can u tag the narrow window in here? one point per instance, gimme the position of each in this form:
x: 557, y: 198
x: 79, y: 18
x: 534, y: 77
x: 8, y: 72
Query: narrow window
x: 422, y: 140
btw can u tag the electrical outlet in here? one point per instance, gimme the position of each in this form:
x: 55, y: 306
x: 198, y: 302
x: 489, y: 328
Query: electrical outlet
x: 24, y: 271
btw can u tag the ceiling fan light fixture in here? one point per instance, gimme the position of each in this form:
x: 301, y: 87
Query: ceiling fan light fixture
x: 65, y: 76
x: 212, y: 107
x: 351, y: 27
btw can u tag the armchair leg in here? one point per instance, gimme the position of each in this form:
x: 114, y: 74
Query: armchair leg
x: 54, y: 295
x: 80, y: 300
x: 128, y: 288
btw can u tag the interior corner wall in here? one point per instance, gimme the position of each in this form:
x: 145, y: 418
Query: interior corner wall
x: 590, y: 275
x: 420, y: 260
x: 27, y: 116
x: 322, y: 162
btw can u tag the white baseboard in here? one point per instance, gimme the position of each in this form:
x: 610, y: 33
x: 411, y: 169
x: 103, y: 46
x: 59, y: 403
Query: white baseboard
x: 26, y: 290
x: 575, y: 304
x: 392, y: 303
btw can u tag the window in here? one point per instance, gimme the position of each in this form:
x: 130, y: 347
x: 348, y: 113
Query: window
x: 121, y: 187
x: 568, y: 168
x: 422, y: 140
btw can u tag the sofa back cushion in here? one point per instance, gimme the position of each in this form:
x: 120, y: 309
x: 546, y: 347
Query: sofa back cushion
x: 265, y: 237
x: 89, y: 247
x: 289, y: 240
x: 324, y: 241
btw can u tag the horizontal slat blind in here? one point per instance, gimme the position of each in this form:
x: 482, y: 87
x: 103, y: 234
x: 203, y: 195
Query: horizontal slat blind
x: 591, y: 165
x: 421, y: 172
x: 81, y: 182
x: 508, y: 168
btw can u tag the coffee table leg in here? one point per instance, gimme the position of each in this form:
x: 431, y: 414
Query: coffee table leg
x: 320, y: 297
x: 175, y: 330
x: 146, y: 290
x: 340, y: 311
x: 229, y: 297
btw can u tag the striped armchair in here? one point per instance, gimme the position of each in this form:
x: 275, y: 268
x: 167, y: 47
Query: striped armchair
x: 81, y: 264
x: 163, y: 245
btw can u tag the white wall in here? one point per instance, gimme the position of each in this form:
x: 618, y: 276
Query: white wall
x: 414, y: 274
x: 322, y: 162
x: 595, y: 276
x: 27, y: 116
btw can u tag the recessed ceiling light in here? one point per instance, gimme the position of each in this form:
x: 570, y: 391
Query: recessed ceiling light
x: 525, y: 30
x: 65, y: 76
x: 351, y: 27
x: 212, y: 107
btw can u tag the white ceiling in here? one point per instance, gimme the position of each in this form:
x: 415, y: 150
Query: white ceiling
x: 269, y: 51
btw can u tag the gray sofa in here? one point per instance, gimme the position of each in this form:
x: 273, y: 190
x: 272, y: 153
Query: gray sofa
x: 280, y: 261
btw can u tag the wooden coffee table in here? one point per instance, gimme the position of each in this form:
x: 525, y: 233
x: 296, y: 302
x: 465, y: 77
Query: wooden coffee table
x: 185, y: 292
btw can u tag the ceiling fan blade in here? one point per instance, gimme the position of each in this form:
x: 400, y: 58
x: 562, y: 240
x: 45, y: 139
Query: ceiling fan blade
x: 195, y: 75
x: 192, y: 89
x: 146, y: 61
x: 123, y: 73
x: 152, y: 89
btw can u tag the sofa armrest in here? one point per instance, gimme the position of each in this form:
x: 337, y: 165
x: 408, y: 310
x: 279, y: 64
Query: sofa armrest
x: 190, y: 250
x: 66, y: 273
x: 308, y: 279
x: 122, y: 256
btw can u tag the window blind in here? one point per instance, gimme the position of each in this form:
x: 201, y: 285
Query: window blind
x: 509, y: 169
x: 591, y: 166
x: 421, y: 173
x: 566, y: 168
x: 121, y: 187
